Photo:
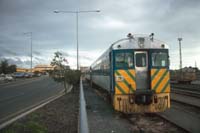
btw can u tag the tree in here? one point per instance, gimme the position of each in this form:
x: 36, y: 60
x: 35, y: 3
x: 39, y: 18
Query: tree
x: 6, y: 68
x: 57, y: 62
x: 63, y: 73
x: 59, y: 68
x: 12, y: 68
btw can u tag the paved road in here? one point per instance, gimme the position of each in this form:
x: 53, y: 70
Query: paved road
x: 18, y: 96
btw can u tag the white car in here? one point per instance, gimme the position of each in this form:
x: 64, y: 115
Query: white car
x: 2, y: 79
x: 8, y: 78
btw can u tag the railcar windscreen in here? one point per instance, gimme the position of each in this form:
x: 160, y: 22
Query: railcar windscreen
x: 159, y: 59
x: 124, y: 60
x: 140, y: 59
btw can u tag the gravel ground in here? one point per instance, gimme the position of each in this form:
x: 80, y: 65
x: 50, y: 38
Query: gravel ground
x: 59, y: 116
x: 104, y: 119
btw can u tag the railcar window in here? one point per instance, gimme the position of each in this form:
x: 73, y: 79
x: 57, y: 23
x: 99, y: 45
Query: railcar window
x: 159, y: 59
x: 124, y: 60
x: 141, y: 59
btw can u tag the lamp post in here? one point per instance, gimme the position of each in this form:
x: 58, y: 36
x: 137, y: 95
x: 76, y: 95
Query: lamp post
x: 180, y: 39
x: 30, y: 34
x: 77, y: 14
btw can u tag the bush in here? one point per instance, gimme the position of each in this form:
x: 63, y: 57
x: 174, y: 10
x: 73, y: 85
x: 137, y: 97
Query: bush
x: 72, y: 77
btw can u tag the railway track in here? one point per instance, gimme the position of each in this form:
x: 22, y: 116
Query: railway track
x: 181, y: 117
x: 143, y: 122
x: 192, y: 90
x: 153, y: 122
x: 186, y: 92
x: 190, y: 87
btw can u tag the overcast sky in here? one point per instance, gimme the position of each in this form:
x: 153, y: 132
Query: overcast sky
x: 168, y: 19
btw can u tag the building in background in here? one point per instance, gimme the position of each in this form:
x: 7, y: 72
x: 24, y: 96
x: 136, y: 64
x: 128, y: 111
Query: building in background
x: 22, y: 69
x: 38, y: 68
x: 84, y: 68
x: 43, y: 68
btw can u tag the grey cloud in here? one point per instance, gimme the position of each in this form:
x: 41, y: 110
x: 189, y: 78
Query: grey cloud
x: 167, y: 19
x: 37, y: 53
x: 64, y: 53
x: 5, y: 51
x: 86, y: 57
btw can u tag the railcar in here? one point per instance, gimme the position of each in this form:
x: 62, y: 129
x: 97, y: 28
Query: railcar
x: 135, y: 72
x: 185, y: 75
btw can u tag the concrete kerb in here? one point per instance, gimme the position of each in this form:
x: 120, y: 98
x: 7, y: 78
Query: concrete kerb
x: 83, y: 122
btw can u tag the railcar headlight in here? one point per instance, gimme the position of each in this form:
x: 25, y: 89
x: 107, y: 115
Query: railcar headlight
x: 119, y: 78
x: 162, y: 45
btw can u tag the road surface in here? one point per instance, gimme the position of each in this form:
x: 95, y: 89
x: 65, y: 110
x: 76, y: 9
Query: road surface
x: 18, y: 96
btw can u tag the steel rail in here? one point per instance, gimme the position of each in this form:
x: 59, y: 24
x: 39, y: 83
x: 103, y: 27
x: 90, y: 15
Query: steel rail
x: 186, y: 92
x: 193, y: 87
x: 83, y: 122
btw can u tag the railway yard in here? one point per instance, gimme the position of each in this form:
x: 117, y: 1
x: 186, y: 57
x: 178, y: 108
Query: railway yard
x: 183, y: 116
x: 76, y: 66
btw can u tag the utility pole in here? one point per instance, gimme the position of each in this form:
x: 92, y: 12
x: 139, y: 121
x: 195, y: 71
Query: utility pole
x: 77, y: 44
x: 30, y: 33
x: 195, y: 64
x: 180, y: 39
x: 31, y: 53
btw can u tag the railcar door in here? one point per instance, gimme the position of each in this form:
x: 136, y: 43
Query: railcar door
x: 141, y: 68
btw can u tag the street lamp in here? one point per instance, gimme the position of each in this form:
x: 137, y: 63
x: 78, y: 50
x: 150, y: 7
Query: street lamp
x: 180, y: 39
x: 77, y: 13
x: 30, y: 34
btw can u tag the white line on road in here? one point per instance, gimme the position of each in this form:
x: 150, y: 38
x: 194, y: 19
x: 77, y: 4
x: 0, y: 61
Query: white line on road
x: 28, y: 110
x: 11, y: 97
x: 22, y: 83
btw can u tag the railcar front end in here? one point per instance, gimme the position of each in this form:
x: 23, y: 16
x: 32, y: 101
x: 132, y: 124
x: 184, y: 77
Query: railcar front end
x: 141, y: 80
x: 135, y: 72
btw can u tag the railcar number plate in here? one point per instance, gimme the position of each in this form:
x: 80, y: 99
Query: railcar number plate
x: 119, y: 78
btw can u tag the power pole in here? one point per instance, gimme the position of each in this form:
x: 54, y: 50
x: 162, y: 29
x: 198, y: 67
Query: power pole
x: 195, y: 64
x: 31, y: 36
x: 31, y: 52
x: 180, y: 39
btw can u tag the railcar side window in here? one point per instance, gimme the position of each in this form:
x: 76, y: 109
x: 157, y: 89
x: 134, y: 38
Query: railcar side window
x: 124, y: 60
x: 140, y: 59
x: 159, y: 59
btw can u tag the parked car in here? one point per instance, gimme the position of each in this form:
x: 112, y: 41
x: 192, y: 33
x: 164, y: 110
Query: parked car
x: 36, y: 74
x: 8, y: 77
x: 19, y: 75
x: 28, y: 75
x: 2, y: 78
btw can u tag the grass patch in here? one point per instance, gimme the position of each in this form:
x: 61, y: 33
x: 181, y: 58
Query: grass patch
x: 31, y: 125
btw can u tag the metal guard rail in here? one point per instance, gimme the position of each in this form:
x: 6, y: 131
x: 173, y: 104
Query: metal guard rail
x: 83, y: 122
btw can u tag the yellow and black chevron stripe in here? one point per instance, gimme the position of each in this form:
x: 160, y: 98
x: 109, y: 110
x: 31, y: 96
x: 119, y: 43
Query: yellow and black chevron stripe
x: 160, y: 80
x: 128, y: 84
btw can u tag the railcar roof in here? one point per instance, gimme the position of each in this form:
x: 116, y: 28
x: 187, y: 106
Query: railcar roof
x: 135, y: 42
x: 139, y: 42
